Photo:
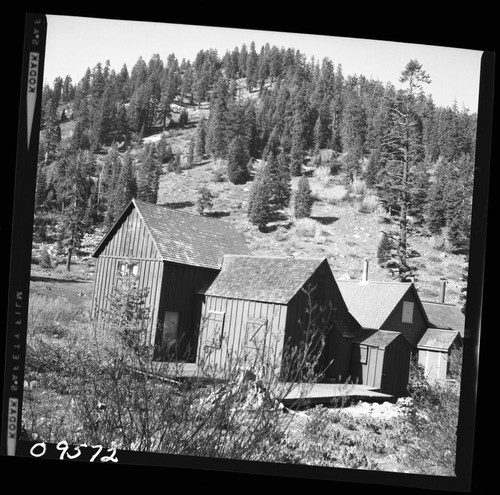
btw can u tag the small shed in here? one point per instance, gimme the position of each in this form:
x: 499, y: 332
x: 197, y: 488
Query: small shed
x: 381, y: 359
x: 170, y: 253
x: 258, y: 308
x: 392, y: 306
x: 439, y: 353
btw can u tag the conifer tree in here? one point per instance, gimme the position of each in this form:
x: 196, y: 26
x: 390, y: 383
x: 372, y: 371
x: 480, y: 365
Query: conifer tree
x: 77, y: 184
x: 126, y: 186
x: 237, y: 160
x: 204, y: 199
x: 201, y: 135
x: 148, y: 179
x: 260, y: 210
x: 402, y: 150
x: 303, y: 199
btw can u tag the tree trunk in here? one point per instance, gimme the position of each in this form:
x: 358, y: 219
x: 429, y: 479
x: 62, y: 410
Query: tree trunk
x: 68, y: 259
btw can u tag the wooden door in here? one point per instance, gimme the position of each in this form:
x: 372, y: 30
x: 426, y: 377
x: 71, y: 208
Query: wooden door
x: 170, y: 334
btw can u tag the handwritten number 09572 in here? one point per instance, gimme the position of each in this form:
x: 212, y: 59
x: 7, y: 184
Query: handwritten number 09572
x: 39, y: 449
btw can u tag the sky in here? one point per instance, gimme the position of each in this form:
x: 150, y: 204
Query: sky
x: 77, y: 43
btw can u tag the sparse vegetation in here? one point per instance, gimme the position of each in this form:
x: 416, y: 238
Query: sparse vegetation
x: 83, y: 389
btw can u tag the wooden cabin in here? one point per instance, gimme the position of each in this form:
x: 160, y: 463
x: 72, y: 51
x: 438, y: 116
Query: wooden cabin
x: 381, y: 359
x: 392, y: 306
x: 172, y: 254
x: 258, y: 308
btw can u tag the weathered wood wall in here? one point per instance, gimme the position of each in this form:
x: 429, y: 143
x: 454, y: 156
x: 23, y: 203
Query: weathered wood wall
x: 131, y: 241
x: 331, y: 308
x: 178, y: 294
x: 235, y: 317
x: 385, y: 368
x: 412, y: 331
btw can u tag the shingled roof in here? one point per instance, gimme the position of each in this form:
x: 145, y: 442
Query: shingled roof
x: 186, y: 238
x: 371, y: 303
x: 259, y: 278
x: 376, y: 338
x: 437, y: 338
x: 446, y: 316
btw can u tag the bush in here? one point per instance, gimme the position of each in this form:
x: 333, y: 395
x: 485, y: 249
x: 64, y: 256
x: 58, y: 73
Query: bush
x: 45, y: 261
x: 307, y: 227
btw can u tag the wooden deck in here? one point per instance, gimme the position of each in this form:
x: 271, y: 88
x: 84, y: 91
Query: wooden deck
x: 333, y: 393
x: 295, y: 394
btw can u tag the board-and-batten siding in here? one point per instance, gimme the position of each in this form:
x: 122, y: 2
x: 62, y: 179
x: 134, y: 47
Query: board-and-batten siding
x: 412, y: 331
x: 179, y: 287
x: 237, y: 313
x: 130, y: 241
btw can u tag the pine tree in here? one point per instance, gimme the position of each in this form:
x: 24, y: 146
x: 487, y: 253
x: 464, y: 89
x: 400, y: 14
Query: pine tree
x: 384, y: 249
x: 201, y: 138
x: 148, y: 179
x: 237, y: 160
x: 41, y: 186
x: 403, y: 152
x: 217, y: 138
x: 303, y: 199
x: 458, y: 198
x: 77, y: 184
x: 126, y: 186
x: 260, y: 211
x: 204, y: 199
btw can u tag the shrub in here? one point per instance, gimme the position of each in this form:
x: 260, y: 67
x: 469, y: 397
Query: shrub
x: 45, y: 261
x: 306, y: 227
x: 323, y: 174
x: 370, y: 203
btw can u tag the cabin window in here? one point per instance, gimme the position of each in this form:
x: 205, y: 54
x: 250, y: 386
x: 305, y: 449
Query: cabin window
x: 214, y: 329
x: 407, y: 316
x: 128, y: 269
x: 255, y: 333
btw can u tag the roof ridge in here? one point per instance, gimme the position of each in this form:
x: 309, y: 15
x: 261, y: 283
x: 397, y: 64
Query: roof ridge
x: 274, y: 257
x: 367, y: 282
x: 182, y: 212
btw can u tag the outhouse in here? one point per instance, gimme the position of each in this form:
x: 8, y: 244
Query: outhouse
x: 439, y: 354
x: 381, y: 359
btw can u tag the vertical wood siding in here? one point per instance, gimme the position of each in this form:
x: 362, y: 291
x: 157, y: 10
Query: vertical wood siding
x: 396, y: 370
x: 435, y: 364
x: 178, y: 293
x: 386, y: 368
x: 131, y: 240
x: 237, y: 313
x: 335, y: 359
x: 412, y: 331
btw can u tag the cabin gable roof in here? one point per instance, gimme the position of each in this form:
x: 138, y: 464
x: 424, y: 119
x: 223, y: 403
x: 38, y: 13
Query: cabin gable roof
x: 371, y: 303
x: 184, y: 238
x: 377, y: 338
x: 260, y: 278
x: 445, y: 316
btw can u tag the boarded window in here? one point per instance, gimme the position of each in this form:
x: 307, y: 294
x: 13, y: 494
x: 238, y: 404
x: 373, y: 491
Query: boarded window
x: 255, y: 333
x: 363, y: 354
x: 407, y: 316
x: 214, y: 329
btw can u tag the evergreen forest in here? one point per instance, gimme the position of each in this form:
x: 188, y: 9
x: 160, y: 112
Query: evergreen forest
x: 269, y: 105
